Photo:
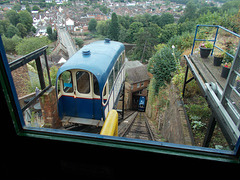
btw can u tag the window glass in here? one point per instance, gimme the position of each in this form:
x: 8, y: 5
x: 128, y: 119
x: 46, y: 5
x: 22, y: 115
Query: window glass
x: 110, y: 80
x: 96, y: 86
x: 123, y: 58
x: 33, y: 117
x: 58, y: 85
x: 116, y: 68
x: 105, y: 90
x: 83, y: 82
x: 67, y: 82
x: 120, y: 61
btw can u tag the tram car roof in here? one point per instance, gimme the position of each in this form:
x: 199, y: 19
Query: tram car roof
x: 98, y: 58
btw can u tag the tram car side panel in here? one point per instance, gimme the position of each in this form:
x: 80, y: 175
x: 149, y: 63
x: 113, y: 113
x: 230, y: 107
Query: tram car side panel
x: 116, y: 80
x: 89, y: 83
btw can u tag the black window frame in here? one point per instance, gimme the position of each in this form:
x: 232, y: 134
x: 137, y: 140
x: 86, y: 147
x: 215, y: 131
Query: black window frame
x: 11, y: 98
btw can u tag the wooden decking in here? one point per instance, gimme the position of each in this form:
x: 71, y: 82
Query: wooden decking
x: 207, y: 71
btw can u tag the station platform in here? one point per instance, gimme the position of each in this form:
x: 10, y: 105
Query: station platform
x: 207, y: 71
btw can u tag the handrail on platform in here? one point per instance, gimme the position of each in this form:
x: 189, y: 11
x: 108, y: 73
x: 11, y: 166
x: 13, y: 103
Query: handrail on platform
x: 213, y: 40
x: 225, y: 103
x: 110, y: 126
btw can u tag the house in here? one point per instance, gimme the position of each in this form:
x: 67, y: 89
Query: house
x: 60, y: 1
x: 69, y: 25
x: 139, y: 79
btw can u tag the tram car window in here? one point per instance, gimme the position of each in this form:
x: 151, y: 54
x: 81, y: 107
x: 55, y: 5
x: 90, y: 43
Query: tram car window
x: 83, y: 82
x: 96, y: 86
x: 67, y: 82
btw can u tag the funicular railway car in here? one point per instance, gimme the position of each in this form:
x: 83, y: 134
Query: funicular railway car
x: 142, y: 103
x: 88, y: 85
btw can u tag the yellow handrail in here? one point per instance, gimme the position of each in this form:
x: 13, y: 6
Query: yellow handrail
x: 110, y: 126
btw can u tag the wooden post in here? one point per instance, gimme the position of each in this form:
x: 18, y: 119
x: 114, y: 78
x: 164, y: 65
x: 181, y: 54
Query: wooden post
x: 210, y: 129
x: 40, y: 72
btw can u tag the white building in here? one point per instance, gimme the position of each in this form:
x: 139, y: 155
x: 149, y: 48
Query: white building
x: 60, y: 1
x: 69, y: 25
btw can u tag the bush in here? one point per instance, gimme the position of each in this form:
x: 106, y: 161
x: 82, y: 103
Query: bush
x: 182, y: 42
x: 28, y: 45
x: 79, y: 42
x: 162, y: 65
x: 11, y: 43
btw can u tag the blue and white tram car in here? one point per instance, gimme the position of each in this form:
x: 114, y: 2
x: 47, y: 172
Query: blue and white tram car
x: 142, y: 103
x: 88, y: 85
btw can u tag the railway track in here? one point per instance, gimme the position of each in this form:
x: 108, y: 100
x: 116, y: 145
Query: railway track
x: 137, y: 127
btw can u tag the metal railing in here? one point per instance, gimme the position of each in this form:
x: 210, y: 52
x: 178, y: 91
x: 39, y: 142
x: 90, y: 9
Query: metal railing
x: 215, y: 38
x: 225, y: 103
x: 110, y: 126
x: 35, y: 55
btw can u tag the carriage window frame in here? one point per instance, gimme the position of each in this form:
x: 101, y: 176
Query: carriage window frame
x: 111, y: 80
x: 116, y: 68
x: 89, y: 82
x: 63, y: 83
x: 194, y: 152
x: 105, y: 94
x: 94, y: 84
x: 120, y: 63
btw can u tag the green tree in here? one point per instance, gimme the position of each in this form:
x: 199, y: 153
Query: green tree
x: 11, y: 31
x: 231, y: 6
x: 146, y: 39
x: 4, y: 25
x: 49, y: 30
x: 10, y: 43
x: 79, y: 42
x: 104, y: 9
x: 122, y: 34
x: 26, y: 19
x: 92, y: 25
x: 52, y: 35
x: 33, y: 29
x: 13, y: 17
x: 114, y: 27
x: 17, y: 7
x: 35, y: 8
x: 125, y: 21
x: 22, y: 30
x: 103, y: 27
x: 167, y: 32
x: 190, y: 12
x: 85, y: 9
x: 165, y: 18
x: 28, y: 8
x: 162, y: 64
x: 28, y: 45
x: 133, y: 29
